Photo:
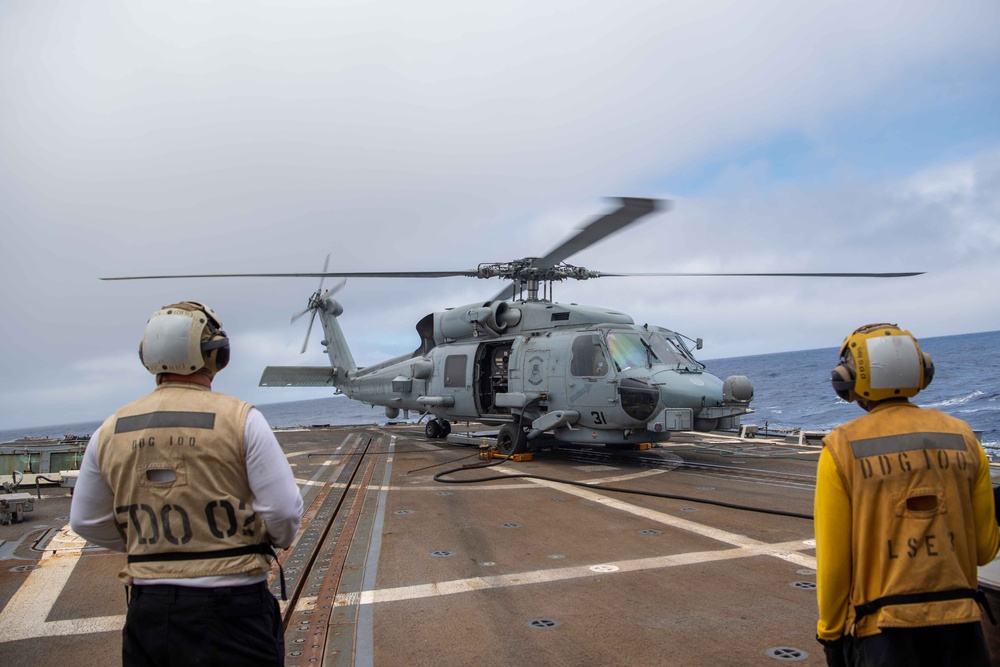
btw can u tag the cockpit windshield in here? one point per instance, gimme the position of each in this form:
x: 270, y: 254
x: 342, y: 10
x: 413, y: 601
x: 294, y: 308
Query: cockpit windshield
x: 670, y: 351
x: 632, y: 349
x: 628, y: 350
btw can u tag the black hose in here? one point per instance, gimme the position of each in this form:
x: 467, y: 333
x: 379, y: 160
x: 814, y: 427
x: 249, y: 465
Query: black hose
x: 438, y: 478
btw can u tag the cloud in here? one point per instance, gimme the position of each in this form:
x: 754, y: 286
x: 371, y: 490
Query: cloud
x: 258, y: 137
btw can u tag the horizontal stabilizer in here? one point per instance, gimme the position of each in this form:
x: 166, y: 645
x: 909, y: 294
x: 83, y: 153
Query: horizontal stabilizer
x: 297, y: 376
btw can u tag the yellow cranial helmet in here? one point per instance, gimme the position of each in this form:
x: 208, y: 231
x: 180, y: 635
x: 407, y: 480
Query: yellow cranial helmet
x: 881, y: 361
x: 184, y: 338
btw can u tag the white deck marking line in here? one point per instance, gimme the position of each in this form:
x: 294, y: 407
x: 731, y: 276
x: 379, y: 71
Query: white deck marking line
x: 26, y: 611
x: 423, y: 445
x: 625, y: 478
x: 725, y: 536
x: 457, y: 586
x: 364, y: 634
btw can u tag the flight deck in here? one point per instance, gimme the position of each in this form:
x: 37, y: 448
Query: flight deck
x: 393, y: 567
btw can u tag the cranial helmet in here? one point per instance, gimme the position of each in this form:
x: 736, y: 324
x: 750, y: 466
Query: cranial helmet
x: 880, y: 361
x: 184, y: 338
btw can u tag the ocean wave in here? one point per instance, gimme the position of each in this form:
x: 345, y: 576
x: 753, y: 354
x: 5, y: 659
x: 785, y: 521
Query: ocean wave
x: 957, y: 400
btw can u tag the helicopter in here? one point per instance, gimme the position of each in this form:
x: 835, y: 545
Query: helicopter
x: 529, y: 365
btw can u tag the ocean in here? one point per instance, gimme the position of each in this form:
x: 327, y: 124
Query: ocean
x: 791, y: 390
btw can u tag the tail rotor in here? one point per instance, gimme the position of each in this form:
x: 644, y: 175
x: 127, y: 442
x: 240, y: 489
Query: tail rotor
x: 316, y: 302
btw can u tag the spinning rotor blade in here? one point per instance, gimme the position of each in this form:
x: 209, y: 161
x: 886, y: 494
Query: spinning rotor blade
x: 631, y: 209
x: 305, y: 343
x: 774, y: 275
x: 333, y: 274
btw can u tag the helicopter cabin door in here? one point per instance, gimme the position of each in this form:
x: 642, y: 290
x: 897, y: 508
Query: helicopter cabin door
x: 458, y: 378
x: 590, y: 386
x: 492, y: 368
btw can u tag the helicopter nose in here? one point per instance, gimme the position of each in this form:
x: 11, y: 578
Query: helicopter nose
x: 689, y: 390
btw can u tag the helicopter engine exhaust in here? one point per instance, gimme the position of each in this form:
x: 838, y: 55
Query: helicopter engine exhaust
x: 489, y: 319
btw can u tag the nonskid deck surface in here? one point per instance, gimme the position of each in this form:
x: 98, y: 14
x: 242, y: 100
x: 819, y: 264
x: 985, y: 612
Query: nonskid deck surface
x: 394, y: 568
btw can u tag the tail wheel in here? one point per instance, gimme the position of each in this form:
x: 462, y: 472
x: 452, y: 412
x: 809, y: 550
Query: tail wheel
x: 511, y: 440
x: 433, y: 429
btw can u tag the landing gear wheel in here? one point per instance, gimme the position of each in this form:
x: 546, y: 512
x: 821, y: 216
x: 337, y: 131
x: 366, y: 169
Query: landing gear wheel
x: 445, y: 427
x: 433, y: 429
x: 511, y: 440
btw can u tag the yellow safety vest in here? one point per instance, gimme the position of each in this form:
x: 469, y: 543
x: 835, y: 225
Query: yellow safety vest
x: 909, y: 473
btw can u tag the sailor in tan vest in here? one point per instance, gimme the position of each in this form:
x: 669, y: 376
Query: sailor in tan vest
x: 904, y: 512
x: 193, y: 485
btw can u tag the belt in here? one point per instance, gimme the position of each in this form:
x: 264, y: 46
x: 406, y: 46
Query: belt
x: 977, y: 594
x: 193, y: 591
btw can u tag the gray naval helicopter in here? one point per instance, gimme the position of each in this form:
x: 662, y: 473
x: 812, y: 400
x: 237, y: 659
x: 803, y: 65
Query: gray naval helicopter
x: 579, y: 374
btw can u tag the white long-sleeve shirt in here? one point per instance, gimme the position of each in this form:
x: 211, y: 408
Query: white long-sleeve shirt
x: 276, y: 498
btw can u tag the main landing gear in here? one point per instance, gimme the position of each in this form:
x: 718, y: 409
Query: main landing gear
x: 512, y: 439
x: 437, y: 428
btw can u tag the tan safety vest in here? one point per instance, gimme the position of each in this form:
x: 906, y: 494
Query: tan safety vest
x: 909, y: 472
x: 199, y: 522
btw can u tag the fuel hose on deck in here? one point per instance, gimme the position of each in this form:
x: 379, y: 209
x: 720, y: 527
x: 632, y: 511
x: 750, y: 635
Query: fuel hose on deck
x: 440, y: 478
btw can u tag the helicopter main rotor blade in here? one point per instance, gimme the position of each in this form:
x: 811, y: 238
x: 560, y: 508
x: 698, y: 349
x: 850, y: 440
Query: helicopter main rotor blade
x: 631, y: 209
x: 905, y: 274
x: 505, y: 294
x: 334, y: 274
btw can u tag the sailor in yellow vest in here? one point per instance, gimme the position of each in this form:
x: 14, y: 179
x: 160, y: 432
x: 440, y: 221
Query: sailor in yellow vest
x: 193, y: 485
x: 904, y: 512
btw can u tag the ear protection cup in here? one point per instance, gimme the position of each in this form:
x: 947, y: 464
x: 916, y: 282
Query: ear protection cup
x: 842, y: 379
x: 928, y: 369
x: 220, y: 343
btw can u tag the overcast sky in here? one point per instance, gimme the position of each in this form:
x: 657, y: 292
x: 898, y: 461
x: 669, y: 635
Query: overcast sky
x: 193, y: 137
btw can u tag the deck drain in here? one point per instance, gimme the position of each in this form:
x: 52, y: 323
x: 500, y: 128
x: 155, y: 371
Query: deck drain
x: 689, y: 509
x: 543, y: 623
x: 488, y: 563
x: 650, y: 531
x: 809, y: 543
x: 805, y: 571
x: 403, y: 512
x: 24, y: 568
x: 786, y: 653
x: 706, y: 488
x: 604, y: 568
x: 558, y: 500
x: 445, y: 493
x: 442, y: 553
x: 62, y: 518
x: 510, y: 525
x: 804, y: 585
x: 555, y: 556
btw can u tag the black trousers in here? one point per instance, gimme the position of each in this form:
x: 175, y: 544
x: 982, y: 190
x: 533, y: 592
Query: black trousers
x: 961, y: 645
x: 176, y: 626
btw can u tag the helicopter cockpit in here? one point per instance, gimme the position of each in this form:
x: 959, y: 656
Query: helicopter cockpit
x: 646, y: 348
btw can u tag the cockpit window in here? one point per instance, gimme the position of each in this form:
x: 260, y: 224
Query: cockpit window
x: 628, y: 350
x: 589, y: 359
x: 669, y: 351
x: 633, y: 349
